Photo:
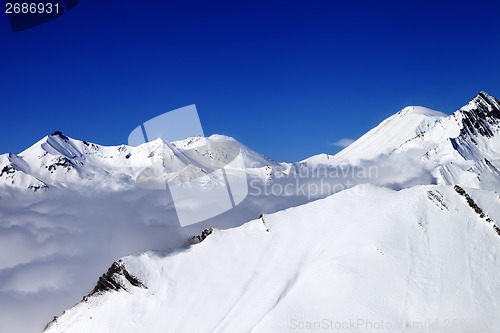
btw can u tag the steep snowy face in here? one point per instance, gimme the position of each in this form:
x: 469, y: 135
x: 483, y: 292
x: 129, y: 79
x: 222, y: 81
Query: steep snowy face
x: 386, y: 137
x: 480, y: 127
x: 481, y: 116
x: 59, y: 161
x: 412, y: 258
x: 15, y: 172
x: 465, y: 147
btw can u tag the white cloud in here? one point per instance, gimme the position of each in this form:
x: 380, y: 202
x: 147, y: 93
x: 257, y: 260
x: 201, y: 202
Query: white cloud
x: 342, y: 143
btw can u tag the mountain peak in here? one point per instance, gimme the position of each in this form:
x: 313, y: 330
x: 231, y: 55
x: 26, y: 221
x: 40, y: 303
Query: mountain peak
x: 419, y: 110
x: 59, y: 134
x: 483, y: 102
x: 481, y: 115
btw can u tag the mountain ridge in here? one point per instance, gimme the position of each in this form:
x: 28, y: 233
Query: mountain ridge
x: 60, y: 161
x: 312, y: 263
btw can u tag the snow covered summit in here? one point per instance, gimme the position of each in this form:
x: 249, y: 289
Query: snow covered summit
x: 463, y: 147
x: 58, y: 161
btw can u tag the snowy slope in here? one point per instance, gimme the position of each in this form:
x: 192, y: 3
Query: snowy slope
x: 384, y: 138
x: 15, y: 172
x: 370, y: 254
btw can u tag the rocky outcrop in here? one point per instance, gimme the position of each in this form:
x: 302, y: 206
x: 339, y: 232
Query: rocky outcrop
x: 200, y: 238
x: 115, y: 279
x: 484, y: 116
x: 472, y: 204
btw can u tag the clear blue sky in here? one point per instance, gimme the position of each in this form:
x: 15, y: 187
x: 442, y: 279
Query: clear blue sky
x: 286, y: 78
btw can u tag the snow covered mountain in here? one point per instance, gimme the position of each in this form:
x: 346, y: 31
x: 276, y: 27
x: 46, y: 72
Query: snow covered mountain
x: 459, y: 148
x: 366, y: 255
x: 70, y: 208
x: 59, y: 161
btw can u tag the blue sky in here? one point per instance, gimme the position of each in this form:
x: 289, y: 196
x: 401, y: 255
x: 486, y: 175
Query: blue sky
x: 286, y: 78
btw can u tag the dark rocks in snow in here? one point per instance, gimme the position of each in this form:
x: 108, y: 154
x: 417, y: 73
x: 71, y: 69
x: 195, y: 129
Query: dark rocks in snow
x: 200, y: 238
x: 11, y: 170
x: 60, y: 134
x: 62, y: 162
x: 475, y: 207
x: 496, y: 229
x: 264, y: 222
x: 479, y: 121
x: 470, y: 201
x: 8, y: 170
x: 109, y: 282
x: 437, y: 198
x: 112, y: 279
x: 35, y: 188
